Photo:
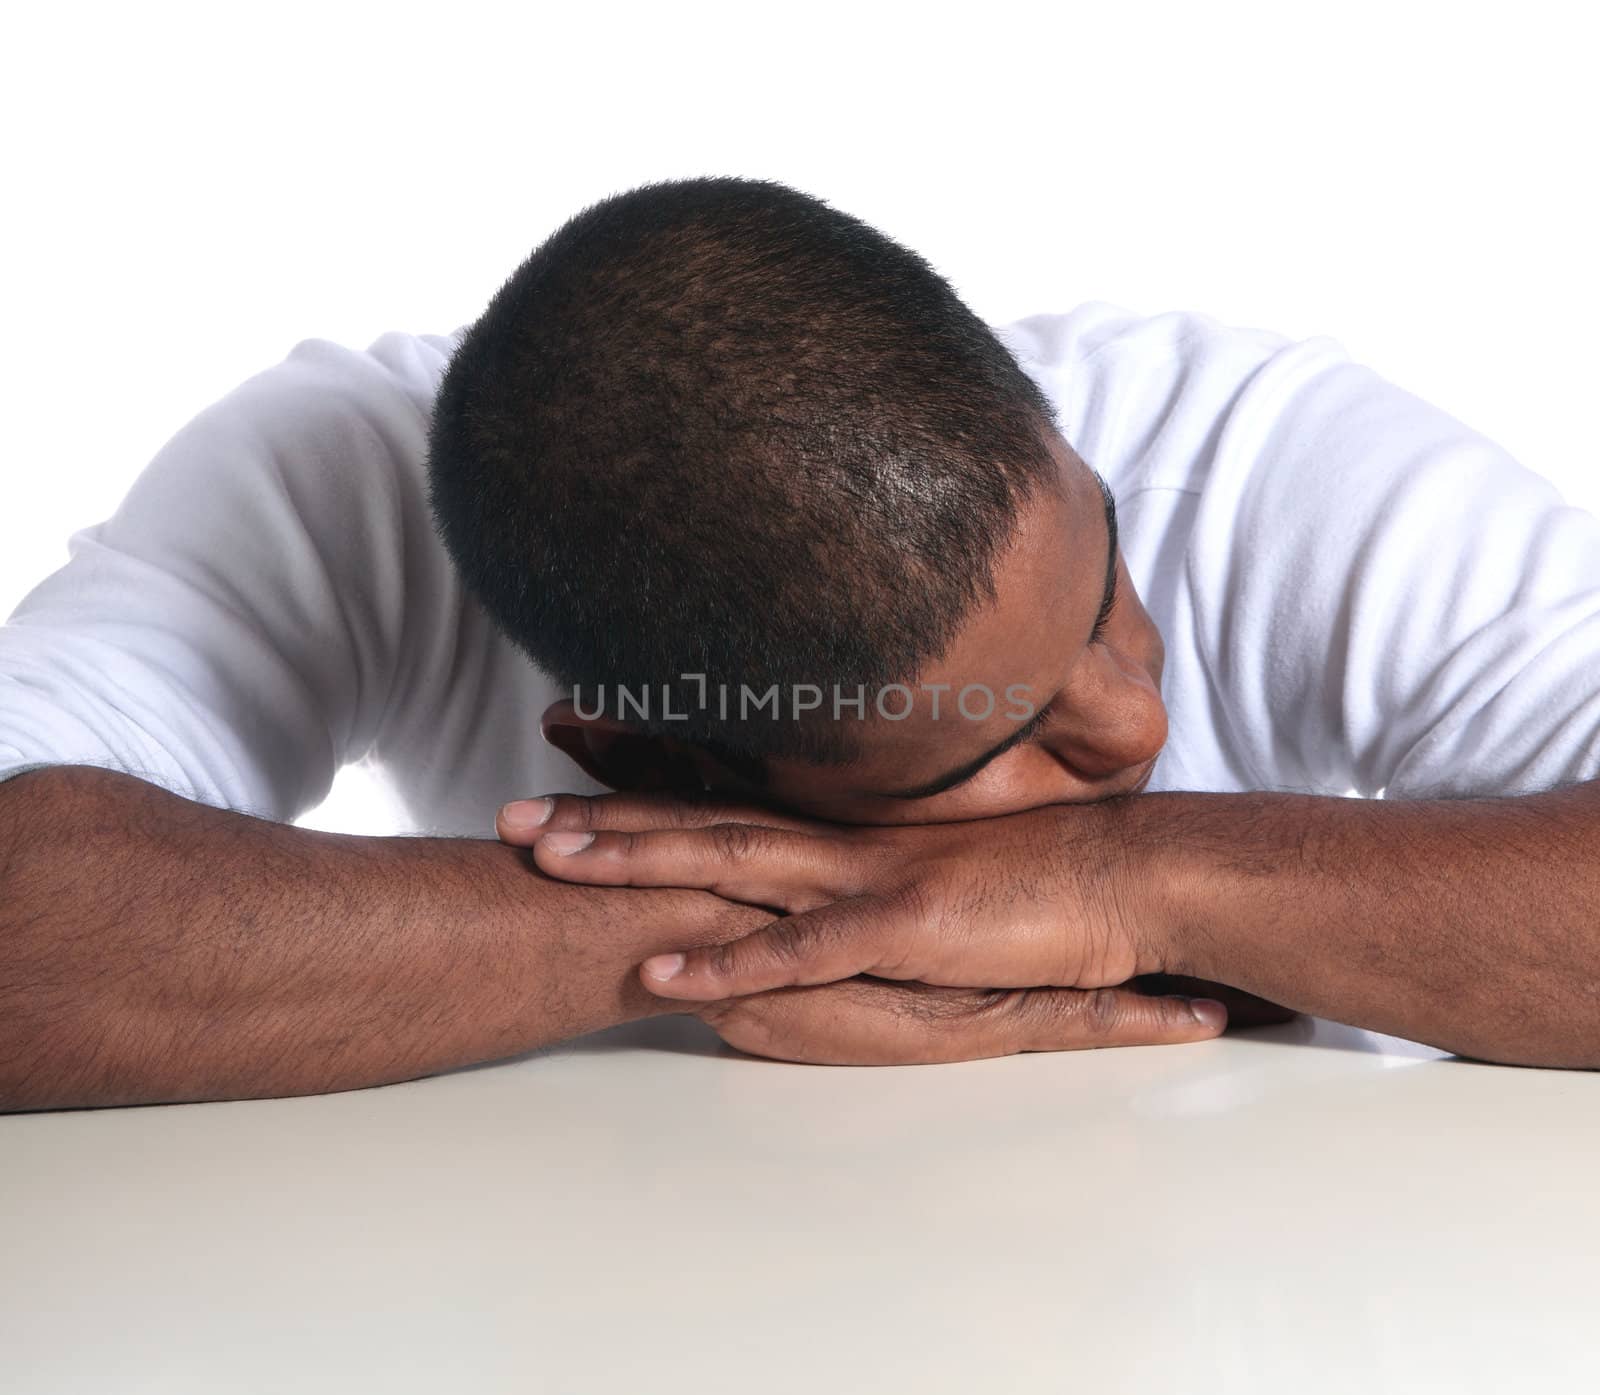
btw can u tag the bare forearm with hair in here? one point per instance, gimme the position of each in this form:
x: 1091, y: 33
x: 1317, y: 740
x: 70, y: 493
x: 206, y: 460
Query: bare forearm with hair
x: 153, y: 949
x: 1469, y: 924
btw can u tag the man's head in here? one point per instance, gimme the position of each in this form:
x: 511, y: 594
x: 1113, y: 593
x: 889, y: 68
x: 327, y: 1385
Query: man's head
x: 715, y: 427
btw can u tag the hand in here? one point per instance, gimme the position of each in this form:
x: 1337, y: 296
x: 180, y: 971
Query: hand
x: 870, y: 1022
x: 1044, y: 897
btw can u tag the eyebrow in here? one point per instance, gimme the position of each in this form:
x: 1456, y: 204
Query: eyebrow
x: 962, y: 773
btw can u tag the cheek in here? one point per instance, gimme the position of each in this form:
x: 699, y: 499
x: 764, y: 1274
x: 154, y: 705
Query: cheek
x: 1021, y: 779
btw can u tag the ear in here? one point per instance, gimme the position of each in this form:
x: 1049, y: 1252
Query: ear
x: 618, y: 754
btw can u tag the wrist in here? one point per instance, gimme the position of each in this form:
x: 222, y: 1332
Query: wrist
x: 1161, y: 891
x: 580, y: 947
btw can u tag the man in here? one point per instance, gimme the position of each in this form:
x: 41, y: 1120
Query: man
x: 716, y: 439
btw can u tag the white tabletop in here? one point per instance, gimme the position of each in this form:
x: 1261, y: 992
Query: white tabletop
x: 1298, y: 1208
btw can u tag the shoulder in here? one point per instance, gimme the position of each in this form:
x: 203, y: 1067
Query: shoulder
x: 328, y: 430
x: 1144, y: 398
x: 1103, y: 330
x: 397, y: 373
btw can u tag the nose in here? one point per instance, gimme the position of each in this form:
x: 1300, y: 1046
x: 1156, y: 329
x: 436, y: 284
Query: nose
x: 1112, y: 723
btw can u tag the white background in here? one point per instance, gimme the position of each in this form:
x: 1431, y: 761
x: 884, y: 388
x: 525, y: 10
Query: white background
x: 190, y: 190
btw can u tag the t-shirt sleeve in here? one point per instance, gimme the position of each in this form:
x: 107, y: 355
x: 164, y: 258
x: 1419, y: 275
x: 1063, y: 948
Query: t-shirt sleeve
x: 1389, y: 601
x: 229, y: 633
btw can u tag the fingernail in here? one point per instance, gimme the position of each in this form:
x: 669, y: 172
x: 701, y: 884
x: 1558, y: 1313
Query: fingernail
x: 526, y: 813
x: 664, y: 966
x: 1209, y: 1013
x: 565, y: 842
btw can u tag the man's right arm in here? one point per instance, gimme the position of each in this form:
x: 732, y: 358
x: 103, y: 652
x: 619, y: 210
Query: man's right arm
x: 156, y: 949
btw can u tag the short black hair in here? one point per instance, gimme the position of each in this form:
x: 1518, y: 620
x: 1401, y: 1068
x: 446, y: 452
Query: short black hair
x: 716, y: 426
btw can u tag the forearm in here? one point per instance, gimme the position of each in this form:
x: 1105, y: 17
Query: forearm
x: 155, y: 949
x: 1472, y: 925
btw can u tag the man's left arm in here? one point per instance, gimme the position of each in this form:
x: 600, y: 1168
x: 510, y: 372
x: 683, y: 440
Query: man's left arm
x: 1389, y: 603
x: 1470, y: 924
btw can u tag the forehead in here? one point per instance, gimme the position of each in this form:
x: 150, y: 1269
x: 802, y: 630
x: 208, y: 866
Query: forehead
x: 1017, y: 651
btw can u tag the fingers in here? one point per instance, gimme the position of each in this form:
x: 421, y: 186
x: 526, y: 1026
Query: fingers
x: 867, y: 1022
x: 523, y: 821
x: 739, y: 861
x: 841, y: 940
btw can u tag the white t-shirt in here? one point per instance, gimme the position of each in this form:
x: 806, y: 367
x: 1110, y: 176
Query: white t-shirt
x: 1358, y: 594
